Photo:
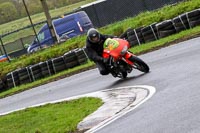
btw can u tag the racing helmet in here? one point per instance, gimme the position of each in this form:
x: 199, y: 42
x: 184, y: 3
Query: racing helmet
x: 93, y: 35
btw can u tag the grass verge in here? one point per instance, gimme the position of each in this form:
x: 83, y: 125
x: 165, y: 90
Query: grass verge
x: 50, y: 118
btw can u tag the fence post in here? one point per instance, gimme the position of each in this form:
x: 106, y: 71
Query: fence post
x: 49, y: 21
x: 31, y: 23
x: 1, y: 51
x: 4, y: 49
x: 21, y: 40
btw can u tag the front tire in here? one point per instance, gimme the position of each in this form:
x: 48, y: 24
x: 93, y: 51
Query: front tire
x: 139, y: 64
x: 124, y: 75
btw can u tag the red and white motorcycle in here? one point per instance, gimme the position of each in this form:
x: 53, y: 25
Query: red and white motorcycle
x: 120, y: 60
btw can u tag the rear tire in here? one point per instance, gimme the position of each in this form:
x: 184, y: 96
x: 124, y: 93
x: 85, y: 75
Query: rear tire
x: 139, y: 64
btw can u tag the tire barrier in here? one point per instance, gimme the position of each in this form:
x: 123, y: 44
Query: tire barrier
x: 184, y: 20
x: 24, y: 75
x: 12, y: 79
x: 43, y: 69
x: 150, y: 33
x: 81, y: 56
x: 2, y: 85
x: 179, y: 24
x: 135, y: 37
x: 125, y: 34
x: 46, y: 68
x: 58, y: 64
x: 165, y: 28
x: 194, y: 18
x: 36, y: 72
x: 71, y: 59
x: 162, y: 29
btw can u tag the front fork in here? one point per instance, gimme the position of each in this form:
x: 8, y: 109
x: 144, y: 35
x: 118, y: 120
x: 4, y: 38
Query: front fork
x: 127, y: 56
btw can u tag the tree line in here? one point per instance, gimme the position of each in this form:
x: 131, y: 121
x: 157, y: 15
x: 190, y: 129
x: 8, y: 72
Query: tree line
x: 14, y: 9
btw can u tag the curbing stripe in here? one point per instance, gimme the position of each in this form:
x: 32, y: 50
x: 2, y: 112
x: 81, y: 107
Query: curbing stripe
x: 151, y: 90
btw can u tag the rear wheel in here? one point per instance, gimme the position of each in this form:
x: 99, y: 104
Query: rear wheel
x: 139, y: 64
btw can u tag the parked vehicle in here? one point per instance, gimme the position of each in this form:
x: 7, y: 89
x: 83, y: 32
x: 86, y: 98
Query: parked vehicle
x: 3, y: 58
x: 67, y: 27
x: 121, y: 61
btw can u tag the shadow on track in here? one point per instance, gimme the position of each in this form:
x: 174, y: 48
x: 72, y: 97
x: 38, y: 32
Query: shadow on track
x: 121, y: 81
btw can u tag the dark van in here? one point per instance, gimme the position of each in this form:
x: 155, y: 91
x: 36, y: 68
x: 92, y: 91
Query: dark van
x: 67, y: 27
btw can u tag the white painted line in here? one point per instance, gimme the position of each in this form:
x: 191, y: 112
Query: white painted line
x: 51, y: 102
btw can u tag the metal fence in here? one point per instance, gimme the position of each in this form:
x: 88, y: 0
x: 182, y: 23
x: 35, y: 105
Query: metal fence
x: 17, y: 47
x: 105, y: 12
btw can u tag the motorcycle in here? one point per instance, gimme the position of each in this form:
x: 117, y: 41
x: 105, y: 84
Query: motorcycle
x: 120, y: 60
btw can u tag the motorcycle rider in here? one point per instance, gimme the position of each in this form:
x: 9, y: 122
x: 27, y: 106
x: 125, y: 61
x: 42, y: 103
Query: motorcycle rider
x: 94, y: 49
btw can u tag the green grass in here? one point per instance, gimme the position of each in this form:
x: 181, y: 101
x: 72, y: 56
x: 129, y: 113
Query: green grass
x: 142, y: 19
x: 50, y: 118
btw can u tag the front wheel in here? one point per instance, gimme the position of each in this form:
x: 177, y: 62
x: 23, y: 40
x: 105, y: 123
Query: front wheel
x: 124, y: 75
x: 139, y: 64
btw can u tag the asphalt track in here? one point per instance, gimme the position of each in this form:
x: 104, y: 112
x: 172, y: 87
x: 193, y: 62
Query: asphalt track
x: 173, y: 108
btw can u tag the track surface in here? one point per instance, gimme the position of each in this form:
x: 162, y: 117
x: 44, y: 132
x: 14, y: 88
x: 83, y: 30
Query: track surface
x: 174, y: 108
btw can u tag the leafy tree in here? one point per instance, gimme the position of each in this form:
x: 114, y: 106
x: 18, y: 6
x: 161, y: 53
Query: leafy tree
x: 34, y: 6
x: 18, y: 5
x: 8, y: 12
